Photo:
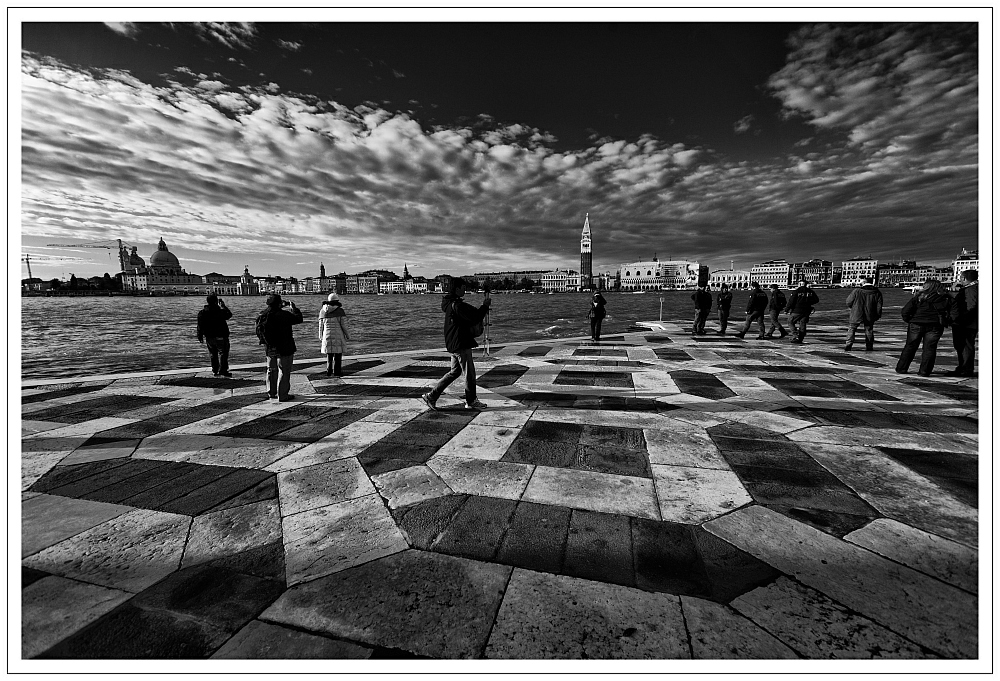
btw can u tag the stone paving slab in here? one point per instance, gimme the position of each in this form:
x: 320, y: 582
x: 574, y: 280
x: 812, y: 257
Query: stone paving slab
x: 655, y: 496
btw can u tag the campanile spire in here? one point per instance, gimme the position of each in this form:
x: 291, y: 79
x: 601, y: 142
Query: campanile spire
x: 586, y: 257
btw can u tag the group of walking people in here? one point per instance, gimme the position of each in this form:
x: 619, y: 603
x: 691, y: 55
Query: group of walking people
x: 926, y: 314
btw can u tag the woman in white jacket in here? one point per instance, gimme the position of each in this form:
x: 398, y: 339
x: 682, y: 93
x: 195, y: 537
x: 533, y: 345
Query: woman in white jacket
x: 333, y: 333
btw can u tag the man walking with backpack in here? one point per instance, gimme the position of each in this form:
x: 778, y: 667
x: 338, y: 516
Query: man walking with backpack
x: 459, y: 339
x: 865, y: 304
x: 775, y: 304
x: 274, y: 332
x: 800, y: 306
x: 755, y: 310
x: 213, y: 329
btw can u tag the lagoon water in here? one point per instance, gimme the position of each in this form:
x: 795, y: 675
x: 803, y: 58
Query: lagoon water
x: 88, y: 335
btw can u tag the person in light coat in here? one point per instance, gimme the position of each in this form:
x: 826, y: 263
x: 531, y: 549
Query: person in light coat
x: 333, y: 333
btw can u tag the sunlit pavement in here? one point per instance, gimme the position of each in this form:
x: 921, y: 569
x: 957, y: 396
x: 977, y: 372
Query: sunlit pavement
x: 654, y: 496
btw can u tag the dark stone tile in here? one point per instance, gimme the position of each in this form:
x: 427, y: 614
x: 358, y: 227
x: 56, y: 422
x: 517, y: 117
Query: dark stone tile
x: 417, y: 372
x: 65, y: 392
x: 672, y: 355
x: 833, y: 523
x: 306, y: 432
x: 118, y: 493
x: 812, y: 477
x: 864, y: 394
x: 966, y: 491
x: 215, y: 492
x: 535, y: 351
x: 613, y: 436
x: 541, y: 452
x: 475, y: 532
x: 220, y: 382
x: 267, y: 562
x: 264, y: 490
x: 744, y: 430
x: 259, y: 428
x: 382, y: 653
x: 263, y: 641
x: 139, y: 429
x: 536, y: 539
x: 454, y: 419
x: 30, y: 575
x: 937, y: 464
x: 418, y: 450
x: 307, y: 412
x: 658, y: 338
x: 167, y: 492
x: 613, y: 460
x: 666, y: 559
x: 422, y: 523
x: 824, y: 499
x: 552, y: 431
x: 599, y: 547
x: 354, y: 367
x: 744, y: 444
x: 730, y: 571
x: 65, y: 475
x: 563, y: 379
x: 951, y: 390
x: 130, y: 632
x: 938, y: 424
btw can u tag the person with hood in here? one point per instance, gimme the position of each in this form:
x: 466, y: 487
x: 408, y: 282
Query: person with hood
x: 800, y: 306
x: 755, y: 310
x: 596, y: 315
x: 925, y: 315
x: 702, y: 306
x: 333, y: 333
x: 775, y: 304
x: 213, y: 331
x: 966, y: 325
x: 459, y: 339
x: 865, y: 304
x: 724, y: 301
x: 279, y: 345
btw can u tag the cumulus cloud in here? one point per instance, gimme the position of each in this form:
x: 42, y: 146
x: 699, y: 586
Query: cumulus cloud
x: 398, y: 74
x: 289, y: 45
x: 258, y: 170
x: 743, y: 125
x: 125, y: 28
x: 232, y: 35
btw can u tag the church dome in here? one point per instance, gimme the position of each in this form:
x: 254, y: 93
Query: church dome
x: 135, y: 260
x: 162, y: 257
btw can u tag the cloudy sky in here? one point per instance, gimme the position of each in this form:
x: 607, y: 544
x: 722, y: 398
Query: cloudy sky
x: 469, y: 147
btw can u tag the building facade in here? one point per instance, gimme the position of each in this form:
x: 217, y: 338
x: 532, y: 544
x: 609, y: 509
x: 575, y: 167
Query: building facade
x: 856, y: 270
x: 586, y: 256
x: 736, y: 279
x: 642, y: 275
x: 818, y: 272
x: 356, y: 284
x: 772, y: 272
x: 557, y: 281
x: 164, y: 275
x: 902, y: 274
x: 966, y: 260
x: 514, y: 277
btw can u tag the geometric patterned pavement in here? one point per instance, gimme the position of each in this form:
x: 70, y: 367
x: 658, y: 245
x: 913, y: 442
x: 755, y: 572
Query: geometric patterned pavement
x: 654, y: 496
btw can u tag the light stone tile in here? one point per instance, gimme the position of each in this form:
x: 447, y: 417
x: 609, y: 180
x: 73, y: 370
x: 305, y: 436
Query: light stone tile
x: 949, y: 561
x: 337, y: 537
x: 921, y: 608
x: 482, y: 478
x: 480, y: 442
x: 85, y: 429
x: 261, y: 641
x: 322, y: 484
x: 694, y: 495
x: 545, y: 616
x: 130, y: 552
x: 398, y: 414
x: 232, y: 530
x: 167, y: 447
x: 683, y: 444
x: 215, y: 424
x: 880, y: 437
x: 31, y: 427
x: 539, y: 376
x: 819, y: 628
x: 395, y: 382
x: 47, y: 519
x: 243, y: 452
x: 776, y: 423
x: 53, y: 608
x: 641, y: 354
x: 685, y: 400
x: 113, y: 450
x: 718, y: 633
x: 697, y: 418
x: 898, y: 492
x: 604, y: 492
x: 649, y: 383
x: 515, y: 417
x: 349, y: 441
x: 36, y: 464
x: 409, y: 486
x: 600, y: 417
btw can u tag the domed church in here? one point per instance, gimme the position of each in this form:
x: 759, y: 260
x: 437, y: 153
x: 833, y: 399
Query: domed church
x: 164, y: 274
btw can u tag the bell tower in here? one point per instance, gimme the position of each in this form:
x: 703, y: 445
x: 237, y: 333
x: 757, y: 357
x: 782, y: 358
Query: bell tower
x: 586, y: 257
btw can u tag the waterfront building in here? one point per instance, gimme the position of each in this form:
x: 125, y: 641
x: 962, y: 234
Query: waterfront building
x: 606, y: 282
x: 905, y: 273
x: 946, y: 275
x: 559, y: 281
x: 857, y: 269
x: 586, y: 257
x: 683, y: 274
x: 513, y: 278
x: 247, y: 286
x: 164, y: 274
x: 392, y: 287
x: 642, y: 275
x: 734, y: 279
x: 772, y: 272
x: 817, y: 272
x: 357, y: 283
x: 966, y: 260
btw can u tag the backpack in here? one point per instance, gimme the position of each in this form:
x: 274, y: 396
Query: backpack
x: 780, y: 300
x: 260, y: 328
x: 476, y: 329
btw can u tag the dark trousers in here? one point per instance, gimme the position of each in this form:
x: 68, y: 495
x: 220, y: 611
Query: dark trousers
x: 757, y: 316
x: 700, y: 316
x: 930, y: 334
x: 595, y: 328
x: 333, y: 363
x: 964, y: 339
x: 852, y: 329
x: 798, y: 323
x: 279, y: 375
x: 219, y: 348
x: 775, y: 324
x: 461, y: 363
x: 723, y: 319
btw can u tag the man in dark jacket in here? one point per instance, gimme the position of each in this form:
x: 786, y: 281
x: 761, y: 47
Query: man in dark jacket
x: 459, y: 318
x: 965, y: 326
x: 755, y: 310
x: 279, y: 345
x: 702, y: 306
x: 800, y: 306
x: 865, y: 304
x: 775, y: 304
x: 924, y: 314
x: 724, y: 301
x: 213, y: 330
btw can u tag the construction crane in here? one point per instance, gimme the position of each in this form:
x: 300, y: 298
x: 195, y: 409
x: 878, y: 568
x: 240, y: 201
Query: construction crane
x: 122, y: 249
x: 27, y: 261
